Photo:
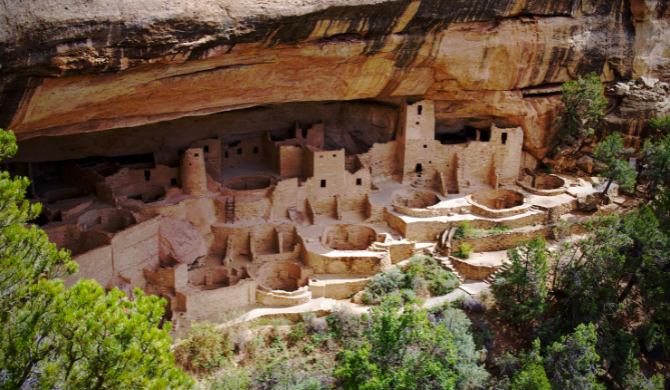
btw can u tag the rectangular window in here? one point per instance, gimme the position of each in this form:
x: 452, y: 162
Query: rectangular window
x: 147, y: 175
x: 226, y: 154
x: 206, y: 148
x: 239, y: 151
x: 504, y: 138
x: 12, y: 167
x: 255, y: 149
x: 173, y: 182
x: 419, y: 109
x: 359, y: 182
x: 323, y: 184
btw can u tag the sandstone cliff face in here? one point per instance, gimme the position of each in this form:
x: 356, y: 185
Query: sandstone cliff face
x: 74, y: 66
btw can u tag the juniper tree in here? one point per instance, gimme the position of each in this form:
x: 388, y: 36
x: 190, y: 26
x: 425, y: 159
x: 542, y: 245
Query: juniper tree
x: 584, y: 106
x: 521, y: 289
x: 611, y: 152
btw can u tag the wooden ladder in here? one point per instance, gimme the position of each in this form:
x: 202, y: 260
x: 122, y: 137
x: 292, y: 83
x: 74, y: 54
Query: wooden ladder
x: 230, y: 211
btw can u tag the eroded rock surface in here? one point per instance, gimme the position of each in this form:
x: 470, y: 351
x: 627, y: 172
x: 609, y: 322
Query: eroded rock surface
x: 73, y: 67
x: 179, y: 242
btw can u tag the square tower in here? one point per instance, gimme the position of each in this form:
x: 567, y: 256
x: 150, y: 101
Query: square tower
x: 417, y: 120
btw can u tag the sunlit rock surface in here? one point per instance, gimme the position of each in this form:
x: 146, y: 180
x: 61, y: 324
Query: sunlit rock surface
x: 112, y: 69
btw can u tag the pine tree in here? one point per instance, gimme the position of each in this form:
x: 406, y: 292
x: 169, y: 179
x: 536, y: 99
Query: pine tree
x: 77, y: 338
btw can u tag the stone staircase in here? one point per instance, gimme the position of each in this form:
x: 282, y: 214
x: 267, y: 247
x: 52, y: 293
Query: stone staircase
x: 446, y: 263
x: 493, y: 276
x: 379, y: 247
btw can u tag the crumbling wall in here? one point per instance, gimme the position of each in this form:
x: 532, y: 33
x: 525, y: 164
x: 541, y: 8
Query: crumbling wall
x: 243, y: 151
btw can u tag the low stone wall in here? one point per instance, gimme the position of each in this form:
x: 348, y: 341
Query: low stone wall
x: 502, y: 213
x: 426, y: 231
x: 499, y: 242
x: 357, y: 263
x: 401, y: 251
x: 286, y: 256
x: 561, y: 190
x: 433, y: 212
x: 210, y: 304
x: 473, y: 271
x: 337, y: 289
x: 283, y: 298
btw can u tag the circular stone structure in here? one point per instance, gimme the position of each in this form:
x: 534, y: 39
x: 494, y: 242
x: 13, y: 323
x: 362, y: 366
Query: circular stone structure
x: 348, y: 237
x: 280, y: 275
x: 108, y: 220
x: 414, y: 198
x: 498, y: 203
x: 147, y: 193
x: 543, y: 184
x: 248, y: 185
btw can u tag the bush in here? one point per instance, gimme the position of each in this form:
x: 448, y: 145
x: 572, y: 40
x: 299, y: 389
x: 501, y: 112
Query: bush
x: 465, y: 230
x: 499, y: 229
x: 424, y: 273
x: 472, y: 304
x: 204, y: 348
x: 465, y: 252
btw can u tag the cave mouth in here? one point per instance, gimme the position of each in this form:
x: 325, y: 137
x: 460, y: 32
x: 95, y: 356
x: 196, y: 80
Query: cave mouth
x: 348, y: 237
x: 414, y: 198
x: 499, y: 199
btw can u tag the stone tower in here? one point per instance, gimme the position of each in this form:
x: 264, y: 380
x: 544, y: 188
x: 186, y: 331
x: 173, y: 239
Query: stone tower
x: 193, y: 173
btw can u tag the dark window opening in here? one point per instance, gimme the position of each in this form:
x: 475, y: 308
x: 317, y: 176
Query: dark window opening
x: 196, y: 155
x: 417, y: 123
x: 147, y: 175
x: 173, y: 182
x: 419, y: 168
x: 255, y: 149
x: 419, y: 109
x: 485, y: 135
x: 334, y: 155
x: 425, y: 146
x: 239, y: 151
x: 359, y: 182
x: 206, y: 148
x: 323, y: 184
x: 12, y: 167
x: 180, y: 153
x: 226, y: 154
x: 504, y: 138
x: 304, y: 133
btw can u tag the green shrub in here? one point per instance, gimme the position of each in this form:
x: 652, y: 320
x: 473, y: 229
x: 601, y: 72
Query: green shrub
x: 204, y: 348
x: 298, y: 332
x: 499, y: 229
x: 465, y: 230
x: 465, y: 252
x: 423, y: 273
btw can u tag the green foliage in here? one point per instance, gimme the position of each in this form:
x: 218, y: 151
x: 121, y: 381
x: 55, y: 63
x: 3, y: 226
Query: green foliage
x: 423, y: 272
x: 465, y: 230
x: 77, y: 338
x: 584, y: 106
x: 611, y: 152
x: 464, y: 252
x: 204, y: 348
x: 655, y: 164
x: 499, y: 230
x: 400, y: 349
x: 571, y: 364
x: 531, y: 377
x: 469, y: 374
x: 521, y: 290
x: 661, y: 125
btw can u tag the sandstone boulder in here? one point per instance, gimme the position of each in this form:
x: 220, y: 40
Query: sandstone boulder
x: 585, y: 163
x: 587, y: 202
x: 179, y: 242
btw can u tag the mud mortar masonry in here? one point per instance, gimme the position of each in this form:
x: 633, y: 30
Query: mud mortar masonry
x: 233, y: 153
x: 278, y: 221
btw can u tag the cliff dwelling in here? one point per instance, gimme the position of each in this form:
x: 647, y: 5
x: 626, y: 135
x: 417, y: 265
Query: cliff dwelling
x: 287, y: 213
